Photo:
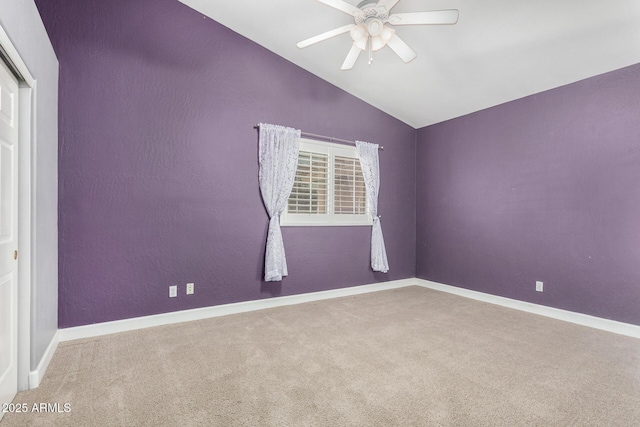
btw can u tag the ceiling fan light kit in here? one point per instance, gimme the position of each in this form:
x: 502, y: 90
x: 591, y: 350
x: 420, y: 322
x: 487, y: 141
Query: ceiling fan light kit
x: 370, y: 30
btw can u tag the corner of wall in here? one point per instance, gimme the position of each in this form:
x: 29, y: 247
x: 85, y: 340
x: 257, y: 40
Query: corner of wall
x: 37, y: 374
x: 415, y: 203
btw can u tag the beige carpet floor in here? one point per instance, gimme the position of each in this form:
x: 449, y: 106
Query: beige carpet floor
x: 406, y: 357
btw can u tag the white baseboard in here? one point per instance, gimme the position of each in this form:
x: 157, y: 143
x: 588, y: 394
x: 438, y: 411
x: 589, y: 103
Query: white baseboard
x: 124, y: 325
x: 99, y: 329
x: 36, y: 376
x: 556, y: 313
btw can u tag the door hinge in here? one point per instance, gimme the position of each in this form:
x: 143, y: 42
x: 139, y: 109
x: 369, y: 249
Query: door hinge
x: 15, y: 254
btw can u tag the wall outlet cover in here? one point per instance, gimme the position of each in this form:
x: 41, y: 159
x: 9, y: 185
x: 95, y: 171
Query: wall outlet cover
x: 173, y: 291
x: 190, y: 289
x: 539, y: 286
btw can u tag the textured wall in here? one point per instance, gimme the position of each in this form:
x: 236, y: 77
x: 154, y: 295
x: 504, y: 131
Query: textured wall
x: 543, y: 188
x: 23, y: 25
x: 159, y: 172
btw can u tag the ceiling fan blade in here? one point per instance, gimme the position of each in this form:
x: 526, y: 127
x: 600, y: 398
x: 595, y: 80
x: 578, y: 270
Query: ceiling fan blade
x: 324, y: 36
x: 436, y: 17
x: 401, y: 49
x: 387, y: 4
x: 342, y: 5
x: 351, y: 58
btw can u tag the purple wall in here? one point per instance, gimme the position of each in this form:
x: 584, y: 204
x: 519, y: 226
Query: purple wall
x: 158, y: 177
x: 543, y: 188
x: 159, y: 172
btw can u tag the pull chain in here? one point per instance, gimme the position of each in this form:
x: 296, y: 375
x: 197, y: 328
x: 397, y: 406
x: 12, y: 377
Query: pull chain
x: 370, y: 51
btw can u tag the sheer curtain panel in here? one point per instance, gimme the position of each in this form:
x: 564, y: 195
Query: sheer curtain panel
x: 368, y: 154
x: 278, y: 158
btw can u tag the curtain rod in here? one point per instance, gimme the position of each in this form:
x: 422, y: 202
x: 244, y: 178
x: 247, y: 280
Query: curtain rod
x: 328, y: 138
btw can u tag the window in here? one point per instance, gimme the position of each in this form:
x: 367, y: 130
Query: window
x: 329, y: 187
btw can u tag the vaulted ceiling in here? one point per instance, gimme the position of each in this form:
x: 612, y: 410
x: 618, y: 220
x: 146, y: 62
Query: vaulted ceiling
x: 498, y: 51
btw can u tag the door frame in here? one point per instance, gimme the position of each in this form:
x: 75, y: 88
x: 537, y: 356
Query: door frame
x: 26, y: 201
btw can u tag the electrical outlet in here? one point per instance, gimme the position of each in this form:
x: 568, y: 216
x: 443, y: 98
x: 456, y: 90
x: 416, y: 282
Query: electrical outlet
x: 190, y: 288
x: 539, y: 286
x: 173, y: 291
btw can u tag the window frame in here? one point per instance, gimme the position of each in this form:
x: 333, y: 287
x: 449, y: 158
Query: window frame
x: 330, y: 218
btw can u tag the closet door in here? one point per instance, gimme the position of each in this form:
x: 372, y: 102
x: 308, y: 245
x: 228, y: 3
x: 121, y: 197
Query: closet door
x: 8, y: 236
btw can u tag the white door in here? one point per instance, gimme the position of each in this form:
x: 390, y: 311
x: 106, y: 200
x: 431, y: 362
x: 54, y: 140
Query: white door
x: 8, y: 235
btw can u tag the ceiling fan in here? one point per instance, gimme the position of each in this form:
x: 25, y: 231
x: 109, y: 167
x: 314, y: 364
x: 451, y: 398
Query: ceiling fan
x: 371, y: 30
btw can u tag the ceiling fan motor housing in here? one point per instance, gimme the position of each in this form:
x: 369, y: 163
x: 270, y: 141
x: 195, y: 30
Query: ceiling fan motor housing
x: 370, y: 12
x: 366, y: 4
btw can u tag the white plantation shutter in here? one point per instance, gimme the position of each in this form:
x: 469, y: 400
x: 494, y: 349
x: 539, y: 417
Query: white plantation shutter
x: 350, y: 194
x: 309, y: 194
x: 329, y: 188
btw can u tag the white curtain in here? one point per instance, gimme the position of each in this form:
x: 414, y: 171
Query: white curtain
x: 368, y: 154
x: 278, y: 157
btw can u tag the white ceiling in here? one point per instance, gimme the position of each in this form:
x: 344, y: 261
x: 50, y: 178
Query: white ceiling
x: 498, y: 51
